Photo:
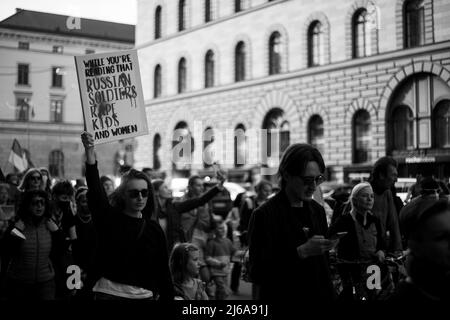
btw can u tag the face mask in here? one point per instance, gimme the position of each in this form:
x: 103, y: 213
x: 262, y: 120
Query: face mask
x: 64, y: 205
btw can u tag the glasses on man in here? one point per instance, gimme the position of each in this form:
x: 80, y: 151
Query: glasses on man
x: 134, y: 193
x: 310, y: 180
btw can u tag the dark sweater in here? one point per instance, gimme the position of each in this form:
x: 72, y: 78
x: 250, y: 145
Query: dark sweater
x: 349, y: 247
x: 124, y: 256
x: 275, y: 231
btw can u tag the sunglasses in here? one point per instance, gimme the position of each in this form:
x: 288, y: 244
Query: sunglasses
x: 37, y: 202
x: 35, y: 178
x: 310, y: 180
x: 134, y: 193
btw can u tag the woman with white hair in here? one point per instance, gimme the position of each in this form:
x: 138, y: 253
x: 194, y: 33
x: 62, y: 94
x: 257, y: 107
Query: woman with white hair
x: 363, y: 241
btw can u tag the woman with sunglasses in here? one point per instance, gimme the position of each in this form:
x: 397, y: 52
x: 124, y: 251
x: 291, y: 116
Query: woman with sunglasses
x: 29, y: 246
x: 32, y: 180
x: 132, y: 260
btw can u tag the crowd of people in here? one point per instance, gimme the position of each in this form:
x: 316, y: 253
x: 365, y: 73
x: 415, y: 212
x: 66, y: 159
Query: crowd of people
x: 136, y: 242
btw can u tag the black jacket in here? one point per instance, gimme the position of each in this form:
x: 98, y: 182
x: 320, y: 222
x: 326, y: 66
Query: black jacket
x: 275, y: 232
x: 130, y: 251
x: 348, y: 247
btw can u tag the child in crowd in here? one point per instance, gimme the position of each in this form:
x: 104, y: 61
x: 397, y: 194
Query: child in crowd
x: 184, y: 266
x: 219, y: 251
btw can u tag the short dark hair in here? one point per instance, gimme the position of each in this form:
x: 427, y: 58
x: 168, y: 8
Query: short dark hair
x: 103, y: 179
x: 27, y: 197
x: 261, y: 185
x: 192, y: 179
x: 295, y: 159
x: 381, y: 166
x: 63, y: 187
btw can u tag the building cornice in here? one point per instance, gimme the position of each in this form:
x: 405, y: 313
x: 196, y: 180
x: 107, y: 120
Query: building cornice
x: 211, y: 23
x: 55, y: 39
x: 40, y: 127
x: 342, y: 65
x: 63, y: 34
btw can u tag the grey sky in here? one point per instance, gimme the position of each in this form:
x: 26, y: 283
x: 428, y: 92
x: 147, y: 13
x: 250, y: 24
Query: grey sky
x: 122, y: 11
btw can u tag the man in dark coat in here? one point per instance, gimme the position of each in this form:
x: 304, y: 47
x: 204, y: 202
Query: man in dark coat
x: 287, y: 245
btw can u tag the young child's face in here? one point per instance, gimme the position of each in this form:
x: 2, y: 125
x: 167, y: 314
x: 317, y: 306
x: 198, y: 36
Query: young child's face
x: 220, y: 231
x: 193, y: 264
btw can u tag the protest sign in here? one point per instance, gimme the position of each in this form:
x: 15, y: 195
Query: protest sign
x: 111, y: 95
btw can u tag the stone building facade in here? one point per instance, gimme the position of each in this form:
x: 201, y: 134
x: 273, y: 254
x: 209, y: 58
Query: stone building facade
x: 358, y: 79
x: 40, y: 100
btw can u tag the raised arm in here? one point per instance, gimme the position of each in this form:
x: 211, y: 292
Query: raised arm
x: 190, y: 204
x: 97, y: 200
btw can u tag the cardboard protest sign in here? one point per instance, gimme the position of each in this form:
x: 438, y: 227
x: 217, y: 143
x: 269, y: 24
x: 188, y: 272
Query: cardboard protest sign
x: 111, y: 95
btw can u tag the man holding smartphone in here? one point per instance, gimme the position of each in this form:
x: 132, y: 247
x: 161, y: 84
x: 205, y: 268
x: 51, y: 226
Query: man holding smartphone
x: 287, y: 244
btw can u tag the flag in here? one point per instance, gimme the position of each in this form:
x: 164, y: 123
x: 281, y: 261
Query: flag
x: 16, y: 157
x: 2, y: 176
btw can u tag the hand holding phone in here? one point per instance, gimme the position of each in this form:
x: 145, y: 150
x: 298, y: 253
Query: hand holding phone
x: 338, y: 235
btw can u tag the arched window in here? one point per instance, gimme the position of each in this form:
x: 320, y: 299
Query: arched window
x: 209, y: 69
x: 240, y: 151
x: 208, y: 11
x: 316, y: 136
x: 414, y: 23
x: 158, y: 22
x: 182, y: 13
x: 237, y: 5
x: 362, y: 136
x: 157, y: 87
x: 403, y: 122
x: 284, y: 136
x: 277, y: 126
x: 239, y: 62
x: 361, y: 34
x: 442, y: 124
x: 56, y: 163
x: 315, y: 44
x: 208, y: 152
x: 156, y: 152
x: 275, y: 53
x: 182, y: 75
x: 181, y: 162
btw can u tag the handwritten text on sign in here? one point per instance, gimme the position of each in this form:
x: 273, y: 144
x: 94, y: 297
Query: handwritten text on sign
x: 112, y: 96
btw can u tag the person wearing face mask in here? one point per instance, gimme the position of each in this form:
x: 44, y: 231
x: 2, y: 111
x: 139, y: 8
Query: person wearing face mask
x: 30, y: 244
x: 169, y: 211
x: 288, y: 251
x: 84, y: 248
x: 363, y: 240
x: 132, y: 261
x: 62, y: 194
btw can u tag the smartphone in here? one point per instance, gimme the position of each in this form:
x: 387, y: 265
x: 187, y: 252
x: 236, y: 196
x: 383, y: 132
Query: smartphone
x: 338, y: 235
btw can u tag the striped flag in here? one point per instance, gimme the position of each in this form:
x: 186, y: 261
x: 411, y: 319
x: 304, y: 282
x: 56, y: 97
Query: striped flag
x: 17, y: 157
